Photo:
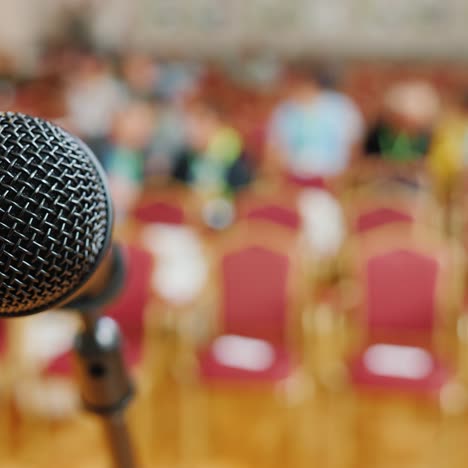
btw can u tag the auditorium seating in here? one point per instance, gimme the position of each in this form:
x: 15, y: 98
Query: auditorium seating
x: 282, y: 358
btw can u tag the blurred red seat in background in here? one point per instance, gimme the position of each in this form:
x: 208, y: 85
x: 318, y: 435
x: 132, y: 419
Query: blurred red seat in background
x: 277, y: 214
x: 127, y: 310
x: 407, y: 281
x: 381, y: 216
x: 281, y: 211
x: 254, y: 280
x: 254, y: 305
x: 305, y: 182
x: 402, y: 277
x: 390, y: 203
x: 159, y: 212
x: 165, y: 205
x: 252, y: 355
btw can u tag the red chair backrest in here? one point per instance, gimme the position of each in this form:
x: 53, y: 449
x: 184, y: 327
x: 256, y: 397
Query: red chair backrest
x: 401, y: 291
x: 277, y: 214
x: 159, y: 212
x: 381, y: 216
x: 310, y: 182
x: 255, y: 293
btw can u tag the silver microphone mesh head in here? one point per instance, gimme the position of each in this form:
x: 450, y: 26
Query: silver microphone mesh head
x: 55, y: 214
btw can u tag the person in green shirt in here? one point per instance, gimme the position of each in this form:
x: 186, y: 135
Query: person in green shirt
x: 214, y: 160
x: 403, y: 132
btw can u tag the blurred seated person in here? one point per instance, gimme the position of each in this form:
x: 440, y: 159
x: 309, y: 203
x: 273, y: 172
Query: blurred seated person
x: 7, y: 93
x: 167, y: 141
x: 125, y: 160
x: 177, y: 79
x: 315, y: 131
x: 93, y: 96
x: 139, y: 74
x: 145, y: 76
x: 213, y: 161
x: 448, y: 155
x: 403, y: 131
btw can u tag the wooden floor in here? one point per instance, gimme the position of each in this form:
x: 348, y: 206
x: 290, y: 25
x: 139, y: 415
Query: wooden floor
x: 396, y: 433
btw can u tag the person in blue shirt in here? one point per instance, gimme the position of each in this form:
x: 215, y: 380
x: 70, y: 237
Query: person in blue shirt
x: 314, y: 132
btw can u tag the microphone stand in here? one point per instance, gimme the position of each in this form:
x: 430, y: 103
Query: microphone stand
x: 106, y: 388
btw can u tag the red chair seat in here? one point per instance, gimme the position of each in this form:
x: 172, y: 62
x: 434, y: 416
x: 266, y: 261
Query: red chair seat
x: 392, y: 367
x: 242, y: 359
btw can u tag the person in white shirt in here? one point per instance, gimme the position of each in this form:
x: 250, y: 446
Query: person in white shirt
x: 93, y: 97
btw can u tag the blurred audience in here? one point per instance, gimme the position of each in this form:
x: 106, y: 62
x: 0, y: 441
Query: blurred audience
x: 403, y: 131
x: 139, y: 73
x: 7, y: 93
x: 178, y: 79
x: 166, y: 119
x: 168, y: 140
x: 315, y: 132
x: 7, y: 82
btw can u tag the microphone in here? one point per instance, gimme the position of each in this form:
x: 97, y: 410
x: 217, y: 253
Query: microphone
x: 55, y: 251
x: 55, y: 217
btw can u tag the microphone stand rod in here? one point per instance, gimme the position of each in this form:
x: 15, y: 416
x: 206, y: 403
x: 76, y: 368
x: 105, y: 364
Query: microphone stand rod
x: 106, y: 389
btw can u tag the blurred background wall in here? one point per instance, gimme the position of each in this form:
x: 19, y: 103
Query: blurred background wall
x: 354, y: 28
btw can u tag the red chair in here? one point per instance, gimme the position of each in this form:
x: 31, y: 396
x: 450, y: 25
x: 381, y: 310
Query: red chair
x: 399, y: 315
x: 254, y: 305
x: 256, y: 296
x: 408, y: 293
x: 251, y: 354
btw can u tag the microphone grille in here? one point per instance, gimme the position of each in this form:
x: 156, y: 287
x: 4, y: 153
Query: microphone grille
x: 55, y: 214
